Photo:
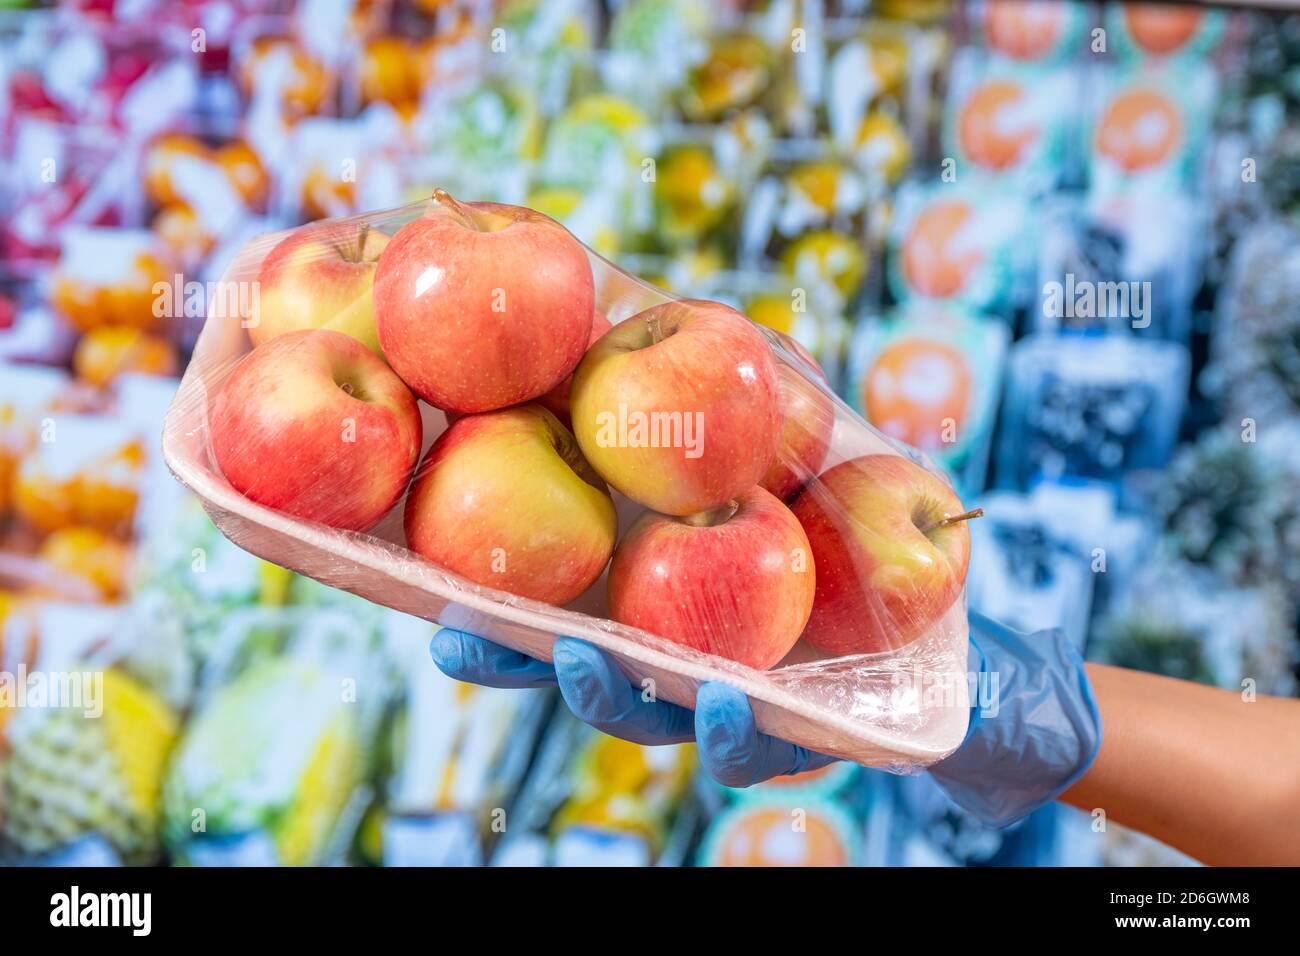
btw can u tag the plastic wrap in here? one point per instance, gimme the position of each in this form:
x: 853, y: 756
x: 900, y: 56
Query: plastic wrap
x: 476, y: 308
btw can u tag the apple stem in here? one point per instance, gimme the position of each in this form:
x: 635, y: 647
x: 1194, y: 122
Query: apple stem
x: 361, y: 243
x: 707, y: 519
x: 444, y: 198
x: 954, y: 519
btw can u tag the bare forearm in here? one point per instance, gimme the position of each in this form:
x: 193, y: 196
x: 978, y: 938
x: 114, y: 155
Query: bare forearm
x: 1201, y: 769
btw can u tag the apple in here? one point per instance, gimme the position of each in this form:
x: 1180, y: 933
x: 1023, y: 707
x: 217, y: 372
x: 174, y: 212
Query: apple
x: 482, y: 305
x: 312, y: 423
x: 320, y: 277
x: 556, y: 401
x: 891, y: 548
x: 809, y: 419
x: 737, y: 581
x: 679, y: 406
x: 505, y: 499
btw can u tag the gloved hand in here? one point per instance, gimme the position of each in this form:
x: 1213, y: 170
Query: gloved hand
x: 1039, y: 733
x: 1026, y: 745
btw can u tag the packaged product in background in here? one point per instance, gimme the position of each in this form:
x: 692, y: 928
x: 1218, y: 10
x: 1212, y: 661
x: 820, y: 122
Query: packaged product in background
x: 1030, y: 577
x: 811, y: 320
x: 549, y: 43
x: 1180, y: 620
x: 594, y: 800
x: 200, y: 191
x: 90, y: 184
x: 936, y: 832
x: 197, y: 573
x: 85, y: 470
x: 281, y: 76
x: 786, y: 830
x: 882, y: 68
x: 87, y: 743
x: 863, y: 70
x: 336, y: 167
x: 271, y: 768
x: 603, y: 144
x: 695, y: 197
x: 1133, y: 264
x: 881, y: 149
x: 1089, y: 407
x: 1047, y: 32
x: 1161, y: 32
x: 809, y: 219
x: 652, y: 44
x: 930, y: 375
x: 1230, y: 503
x: 29, y: 394
x: 1004, y: 119
x: 819, y: 193
x: 743, y: 144
x: 796, y: 35
x: 1254, y: 343
x: 29, y: 332
x: 26, y: 609
x: 829, y: 267
x: 1053, y: 557
x: 485, y: 139
x: 738, y: 70
x: 108, y: 277
x: 967, y: 242
x: 460, y: 753
x: 1147, y: 129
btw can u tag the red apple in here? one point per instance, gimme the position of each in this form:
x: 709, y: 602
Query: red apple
x: 737, y: 582
x: 320, y: 277
x: 506, y: 499
x: 891, y: 547
x: 805, y: 434
x: 482, y: 305
x: 678, y: 407
x: 556, y: 401
x: 313, y: 424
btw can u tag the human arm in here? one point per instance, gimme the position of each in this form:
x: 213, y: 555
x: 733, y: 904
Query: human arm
x: 1204, y: 770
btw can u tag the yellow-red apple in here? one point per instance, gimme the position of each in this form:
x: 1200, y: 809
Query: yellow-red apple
x: 556, y: 401
x: 320, y: 277
x: 891, y: 547
x: 737, y: 581
x: 482, y: 305
x: 313, y: 424
x: 808, y: 420
x: 678, y: 407
x: 505, y: 499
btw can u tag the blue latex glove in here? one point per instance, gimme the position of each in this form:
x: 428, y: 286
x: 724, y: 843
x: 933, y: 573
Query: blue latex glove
x: 1044, y: 735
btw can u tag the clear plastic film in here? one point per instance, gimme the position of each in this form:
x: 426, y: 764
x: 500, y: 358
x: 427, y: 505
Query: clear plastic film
x: 458, y: 411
